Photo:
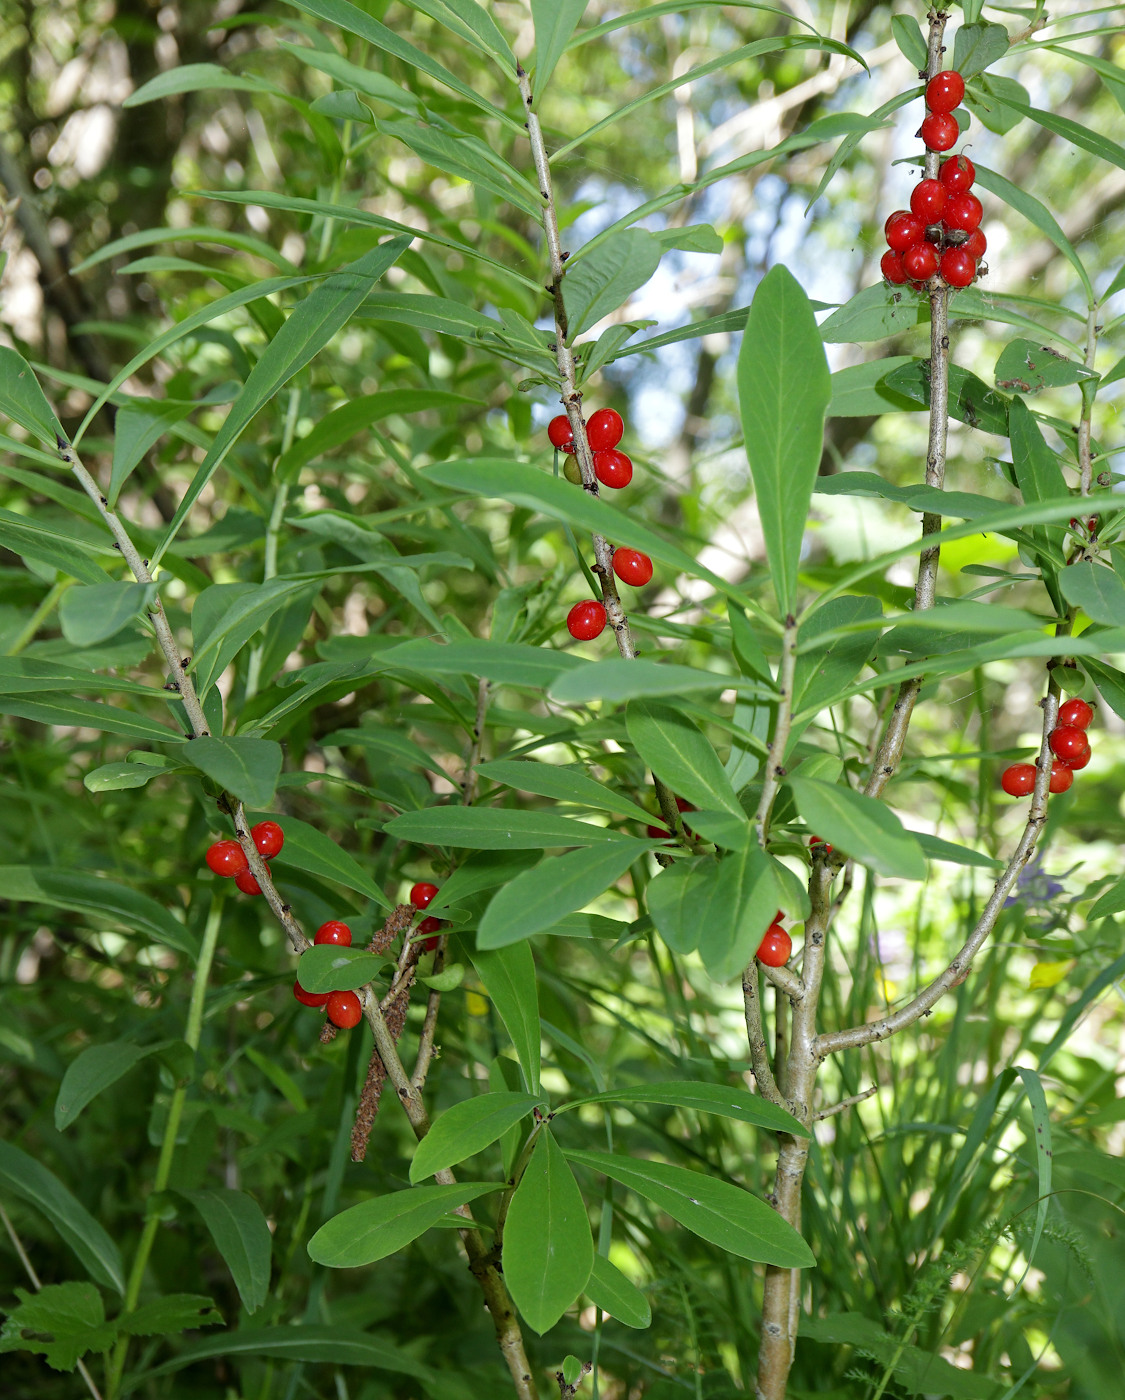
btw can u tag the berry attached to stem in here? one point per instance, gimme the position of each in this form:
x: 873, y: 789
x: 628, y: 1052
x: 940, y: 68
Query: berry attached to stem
x: 585, y: 621
x: 604, y: 429
x: 310, y: 998
x: 1061, y: 776
x: 558, y: 430
x: 927, y: 200
x: 613, y: 468
x: 904, y: 230
x: 227, y: 858
x: 890, y: 265
x: 334, y: 932
x: 247, y: 883
x: 422, y: 894
x: 1076, y: 713
x: 957, y: 174
x: 775, y: 947
x: 430, y: 927
x: 945, y: 91
x: 957, y: 267
x: 344, y: 1009
x: 1070, y: 746
x: 920, y: 262
x: 632, y: 567
x: 1018, y: 779
x: 269, y: 838
x: 940, y: 131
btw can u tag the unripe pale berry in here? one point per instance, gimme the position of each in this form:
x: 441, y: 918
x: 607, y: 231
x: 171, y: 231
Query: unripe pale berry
x: 572, y: 471
x: 585, y: 621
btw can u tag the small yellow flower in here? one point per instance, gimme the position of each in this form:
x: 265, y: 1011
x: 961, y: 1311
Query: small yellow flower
x: 1048, y: 974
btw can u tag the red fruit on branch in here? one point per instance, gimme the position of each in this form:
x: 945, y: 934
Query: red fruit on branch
x: 975, y: 245
x: 585, y: 621
x: 957, y: 267
x: 945, y: 91
x: 920, y: 262
x: 963, y: 211
x: 344, y: 1009
x: 904, y: 230
x: 1061, y: 776
x: 430, y: 926
x: 659, y: 832
x: 1070, y: 745
x: 422, y: 894
x: 890, y: 265
x: 775, y: 948
x: 247, y: 883
x: 891, y: 217
x: 613, y: 468
x: 632, y: 567
x: 957, y: 174
x: 1018, y: 780
x: 227, y: 858
x: 334, y: 932
x: 310, y: 998
x: 927, y: 200
x: 559, y: 432
x: 604, y: 429
x: 269, y: 838
x: 1076, y: 713
x: 819, y: 841
x: 940, y: 131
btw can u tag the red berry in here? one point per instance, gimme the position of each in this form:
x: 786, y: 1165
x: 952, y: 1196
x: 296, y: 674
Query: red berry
x: 904, y: 230
x: 344, y: 1009
x: 1076, y: 714
x: 1070, y: 745
x: 334, y: 932
x: 613, y: 468
x: 945, y: 91
x: 227, y: 858
x: 632, y: 567
x: 920, y: 262
x: 604, y: 429
x: 927, y: 200
x: 247, y: 884
x: 310, y: 998
x: 890, y: 265
x: 895, y: 214
x: 422, y: 894
x: 1061, y: 776
x: 659, y: 832
x: 585, y: 621
x: 975, y: 245
x: 1092, y: 524
x: 1018, y: 780
x: 957, y: 174
x: 269, y: 838
x: 958, y: 268
x: 940, y: 131
x: 819, y: 841
x: 963, y: 211
x: 558, y: 430
x: 775, y: 947
x: 430, y: 926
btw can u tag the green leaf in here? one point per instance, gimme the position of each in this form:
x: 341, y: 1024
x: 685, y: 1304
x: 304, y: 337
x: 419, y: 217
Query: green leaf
x: 783, y: 391
x: 328, y: 968
x: 1029, y: 368
x: 616, y: 679
x: 95, y: 1069
x: 561, y: 885
x: 26, y: 1178
x: 548, y: 1249
x: 1037, y: 471
x: 468, y: 1128
x: 671, y: 745
x: 380, y: 1227
x: 678, y: 897
x: 91, y: 613
x: 1110, y: 683
x: 62, y: 1322
x: 112, y: 777
x: 726, y: 1101
x: 741, y: 906
x: 175, y: 1312
x: 609, y: 1289
x: 860, y: 391
x: 471, y: 21
x: 242, y: 1237
x: 73, y: 889
x: 24, y: 402
x: 506, y: 663
x: 1041, y: 1122
x: 555, y: 22
x: 971, y: 400
x: 1096, y: 590
x: 908, y: 36
x: 227, y: 615
x: 310, y: 849
x: 246, y: 768
x: 860, y: 827
x: 1036, y: 213
x: 46, y: 545
x: 490, y: 829
x: 465, y: 158
x: 508, y: 976
x: 196, y: 77
x: 977, y: 46
x: 934, y: 848
x: 714, y: 1209
x: 480, y: 872
x: 308, y: 329
x: 564, y: 784
x: 138, y: 427
x: 825, y: 671
x: 916, y: 1372
x: 875, y: 312
x: 605, y: 279
x: 90, y: 714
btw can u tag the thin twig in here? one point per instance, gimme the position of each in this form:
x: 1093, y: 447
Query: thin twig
x: 1085, y: 423
x: 755, y: 1035
x: 845, y: 1104
x: 472, y: 758
x: 774, y: 768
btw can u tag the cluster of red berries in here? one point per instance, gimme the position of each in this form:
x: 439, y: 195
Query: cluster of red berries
x: 603, y: 433
x: 344, y: 1009
x: 227, y: 858
x: 776, y: 945
x: 940, y: 232
x: 1070, y: 746
x: 422, y: 896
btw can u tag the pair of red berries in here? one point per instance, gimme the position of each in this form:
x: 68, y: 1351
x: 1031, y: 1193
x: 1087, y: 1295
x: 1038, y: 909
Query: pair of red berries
x: 586, y: 620
x: 1070, y: 746
x: 940, y: 230
x: 227, y: 858
x: 603, y: 432
x: 422, y: 896
x: 776, y: 945
x: 344, y: 1009
x: 944, y: 94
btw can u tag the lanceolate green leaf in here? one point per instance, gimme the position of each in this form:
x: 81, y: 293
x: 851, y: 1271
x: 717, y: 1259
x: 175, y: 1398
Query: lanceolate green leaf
x: 784, y: 388
x: 564, y: 784
x: 555, y: 22
x: 508, y: 975
x: 91, y: 613
x: 24, y: 402
x: 617, y: 1295
x: 309, y: 328
x: 742, y: 904
x: 247, y: 768
x: 548, y: 1249
x: 714, y: 1209
x: 75, y: 889
x: 615, y: 679
x: 468, y: 1128
x: 1037, y: 469
x: 488, y: 828
x: 309, y: 848
x: 332, y: 969
x: 671, y: 745
x: 242, y: 1237
x: 1037, y: 214
x: 603, y: 281
x: 726, y: 1101
x: 91, y: 714
x: 377, y: 1228
x: 96, y: 1069
x: 1096, y: 590
x: 860, y: 827
x: 562, y: 885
